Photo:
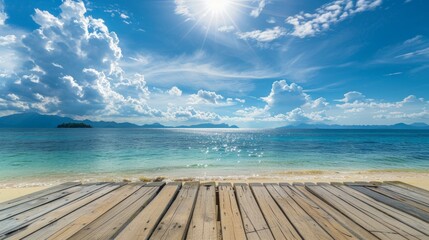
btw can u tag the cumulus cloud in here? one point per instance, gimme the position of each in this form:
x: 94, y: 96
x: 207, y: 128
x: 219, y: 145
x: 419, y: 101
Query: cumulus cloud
x: 352, y: 96
x: 73, y: 68
x: 290, y: 104
x: 175, y: 91
x: 206, y: 97
x: 189, y: 113
x: 309, y: 24
x: 267, y: 35
x: 356, y: 108
x: 257, y: 11
x: 287, y: 104
x: 7, y: 40
x: 285, y: 97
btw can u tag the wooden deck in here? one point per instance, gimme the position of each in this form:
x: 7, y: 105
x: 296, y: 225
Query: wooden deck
x: 358, y: 210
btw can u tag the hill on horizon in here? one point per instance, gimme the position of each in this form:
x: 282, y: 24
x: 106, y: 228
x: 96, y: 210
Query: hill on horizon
x: 36, y: 120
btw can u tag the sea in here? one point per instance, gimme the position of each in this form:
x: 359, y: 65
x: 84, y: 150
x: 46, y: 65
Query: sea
x: 31, y: 155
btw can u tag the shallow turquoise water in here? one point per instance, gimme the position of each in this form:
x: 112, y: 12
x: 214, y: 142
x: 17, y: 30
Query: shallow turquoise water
x: 35, y: 153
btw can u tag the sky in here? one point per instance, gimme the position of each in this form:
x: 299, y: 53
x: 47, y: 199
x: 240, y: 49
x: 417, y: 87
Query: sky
x: 252, y: 63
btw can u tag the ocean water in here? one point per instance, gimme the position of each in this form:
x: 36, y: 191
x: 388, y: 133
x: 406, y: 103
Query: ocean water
x: 29, y: 154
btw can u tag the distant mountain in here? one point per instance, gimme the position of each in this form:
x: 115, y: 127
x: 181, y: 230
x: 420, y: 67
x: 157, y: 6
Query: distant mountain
x: 209, y: 125
x: 154, y: 125
x: 336, y: 126
x: 35, y: 120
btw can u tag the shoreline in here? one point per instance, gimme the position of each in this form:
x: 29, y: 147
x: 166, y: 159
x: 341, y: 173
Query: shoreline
x: 10, y: 190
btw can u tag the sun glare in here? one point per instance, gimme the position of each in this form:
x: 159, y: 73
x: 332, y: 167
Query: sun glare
x: 217, y: 6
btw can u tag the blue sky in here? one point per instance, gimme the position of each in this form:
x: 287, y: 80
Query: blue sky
x: 254, y: 63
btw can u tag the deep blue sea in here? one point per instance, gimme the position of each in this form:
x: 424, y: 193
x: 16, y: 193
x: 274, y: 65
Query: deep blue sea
x: 27, y: 154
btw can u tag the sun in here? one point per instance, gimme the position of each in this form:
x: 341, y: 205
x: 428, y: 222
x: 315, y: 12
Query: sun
x: 217, y: 6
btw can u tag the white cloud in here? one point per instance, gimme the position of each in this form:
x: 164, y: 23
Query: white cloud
x: 183, y: 9
x: 352, y: 96
x: 415, y: 40
x: 73, y: 68
x: 3, y: 15
x: 271, y: 20
x: 206, y: 97
x: 412, y: 50
x: 257, y: 11
x: 190, y: 114
x: 124, y: 16
x: 284, y: 97
x: 309, y: 24
x: 175, y: 91
x: 417, y: 53
x: 7, y: 40
x: 57, y: 65
x: 267, y: 35
x: 226, y: 28
x: 240, y: 100
x: 357, y: 109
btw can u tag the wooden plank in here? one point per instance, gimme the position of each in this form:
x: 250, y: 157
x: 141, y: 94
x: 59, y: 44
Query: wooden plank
x: 366, y: 221
x: 204, y: 220
x: 279, y: 224
x: 352, y: 226
x: 413, y: 196
x: 110, y: 223
x: 92, y: 210
x: 59, y: 213
x: 175, y: 222
x: 12, y: 223
x: 255, y: 225
x: 394, y: 195
x: 69, y: 230
x: 230, y: 217
x: 409, y: 187
x: 142, y: 226
x: 393, y: 203
x: 12, y: 211
x: 398, y: 215
x: 35, y: 195
x: 395, y: 225
x: 328, y: 223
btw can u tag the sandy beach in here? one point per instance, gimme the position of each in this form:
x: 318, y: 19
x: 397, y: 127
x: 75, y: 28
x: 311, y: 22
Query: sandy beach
x: 419, y: 179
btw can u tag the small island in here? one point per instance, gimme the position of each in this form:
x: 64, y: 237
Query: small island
x: 74, y: 125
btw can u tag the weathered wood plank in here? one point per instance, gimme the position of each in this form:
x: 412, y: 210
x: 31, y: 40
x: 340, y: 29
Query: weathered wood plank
x: 12, y: 211
x: 279, y: 224
x: 35, y: 195
x: 361, y: 218
x: 230, y: 217
x: 394, y: 195
x: 12, y: 223
x: 393, y: 203
x: 142, y: 226
x: 93, y: 209
x: 59, y: 213
x: 409, y: 187
x: 175, y: 222
x: 413, y: 196
x: 352, y: 226
x: 391, y: 223
x: 204, y: 220
x: 328, y: 223
x: 75, y: 226
x: 110, y: 223
x: 255, y: 225
x: 405, y: 218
